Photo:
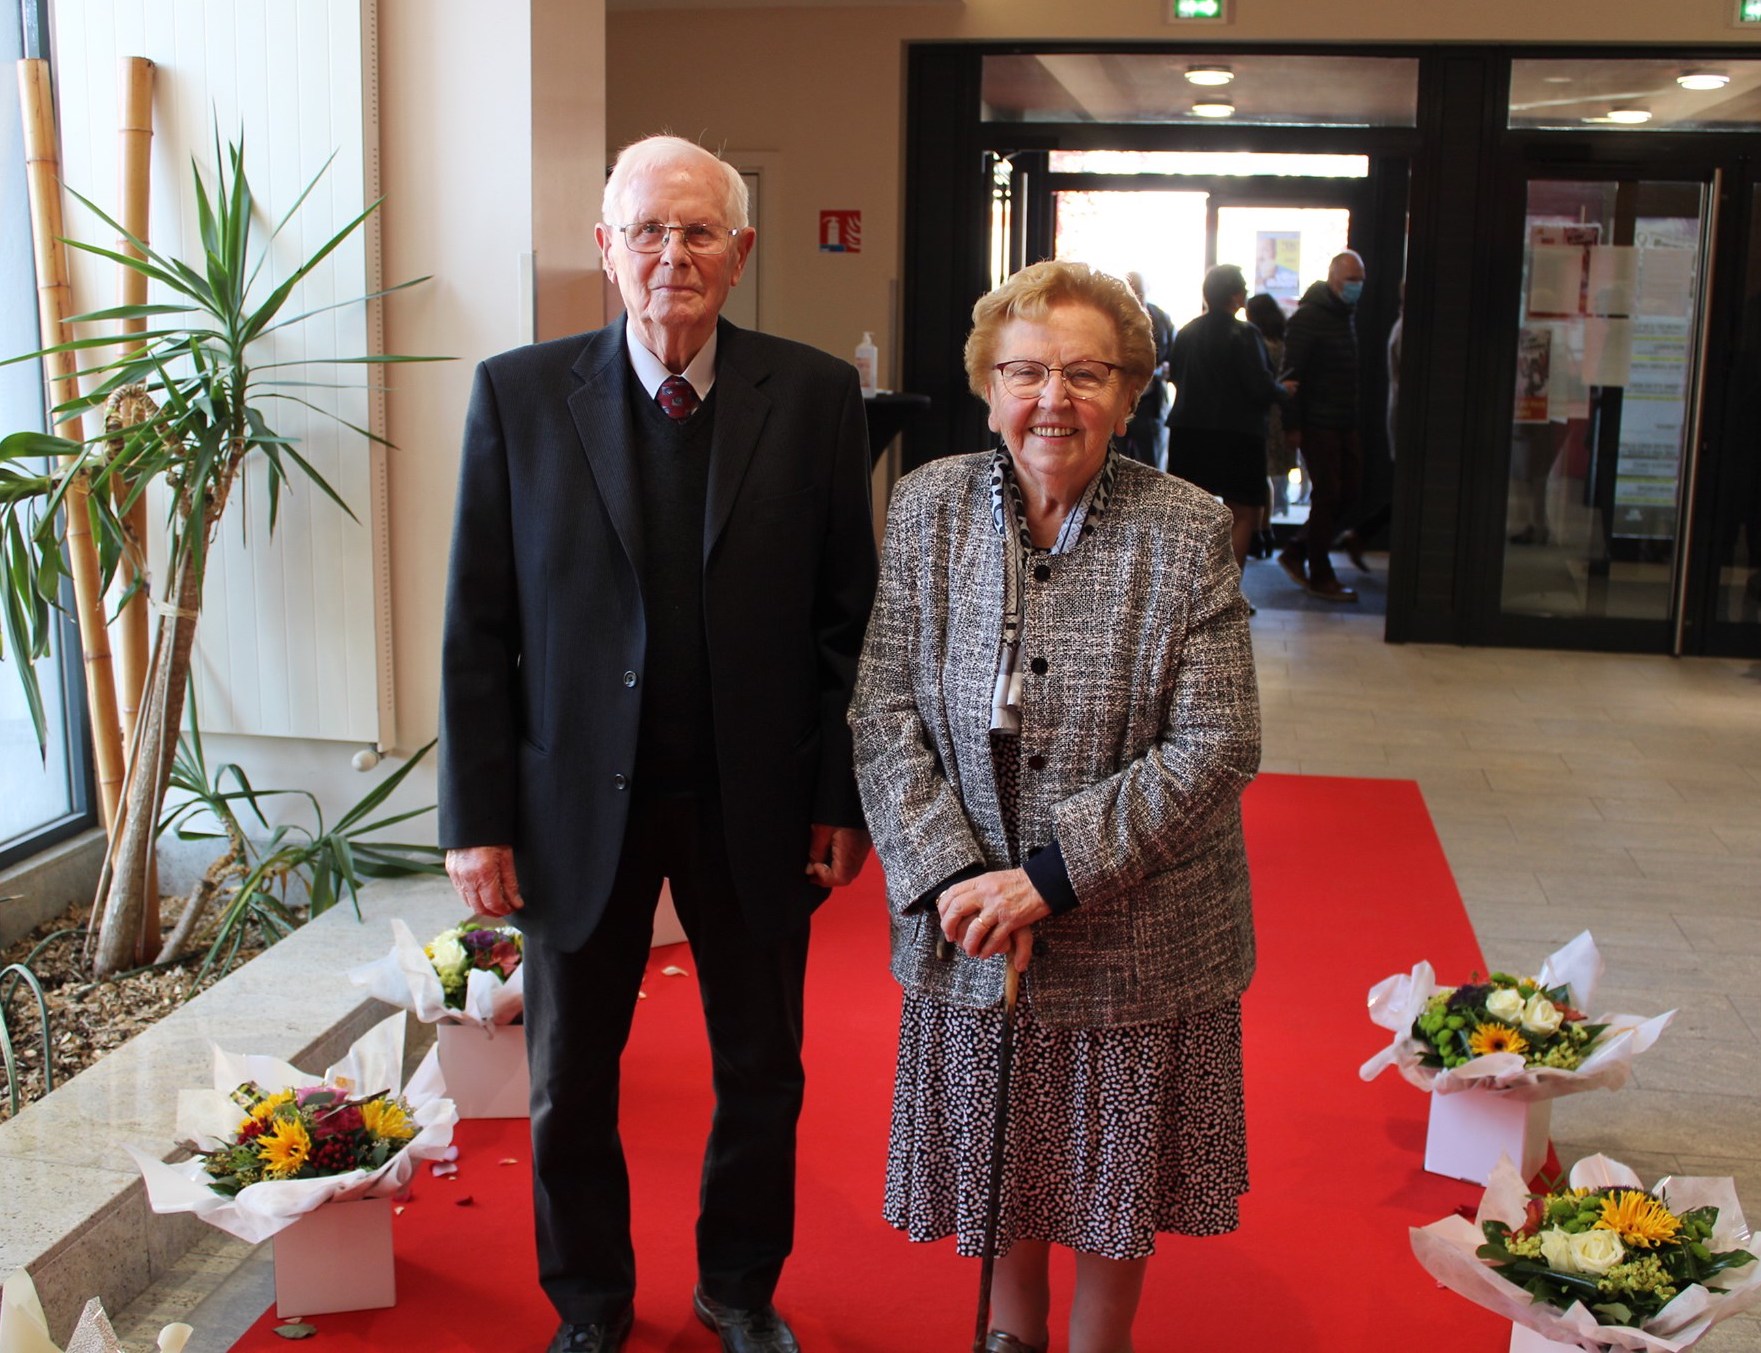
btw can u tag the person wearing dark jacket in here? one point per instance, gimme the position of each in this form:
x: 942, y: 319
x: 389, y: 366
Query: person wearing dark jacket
x: 1223, y: 386
x: 1320, y: 356
x: 1146, y: 439
x: 662, y: 567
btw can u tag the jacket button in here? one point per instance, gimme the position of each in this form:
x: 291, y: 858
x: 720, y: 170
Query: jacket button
x: 1041, y: 572
x: 1039, y: 666
x: 1036, y: 762
x: 629, y: 678
x: 1039, y: 948
x: 620, y: 781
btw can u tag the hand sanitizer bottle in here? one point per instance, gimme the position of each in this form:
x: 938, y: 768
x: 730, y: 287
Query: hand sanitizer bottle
x: 867, y: 365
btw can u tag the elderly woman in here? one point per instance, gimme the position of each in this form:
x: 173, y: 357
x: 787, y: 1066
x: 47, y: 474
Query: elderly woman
x: 1055, y: 717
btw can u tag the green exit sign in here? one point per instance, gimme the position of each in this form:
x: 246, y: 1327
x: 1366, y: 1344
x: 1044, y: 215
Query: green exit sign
x: 1216, y: 11
x: 1749, y: 11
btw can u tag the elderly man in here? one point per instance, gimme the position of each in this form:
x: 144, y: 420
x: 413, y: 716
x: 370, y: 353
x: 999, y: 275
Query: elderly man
x: 662, y: 566
x: 1320, y: 357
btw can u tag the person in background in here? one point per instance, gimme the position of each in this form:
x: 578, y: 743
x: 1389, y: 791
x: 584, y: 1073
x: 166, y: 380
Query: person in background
x: 1055, y: 717
x: 1223, y: 386
x: 662, y: 565
x: 1320, y: 355
x: 1146, y: 436
x: 1354, y: 538
x: 1266, y: 315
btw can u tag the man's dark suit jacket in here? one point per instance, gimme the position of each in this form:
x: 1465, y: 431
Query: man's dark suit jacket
x: 542, y: 666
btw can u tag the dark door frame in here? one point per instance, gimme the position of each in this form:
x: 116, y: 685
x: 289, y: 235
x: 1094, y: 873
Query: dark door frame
x: 1656, y: 157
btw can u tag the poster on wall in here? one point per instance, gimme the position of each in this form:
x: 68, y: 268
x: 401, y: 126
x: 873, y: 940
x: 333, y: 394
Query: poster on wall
x: 1277, y: 267
x: 1559, y: 260
x: 1534, y: 361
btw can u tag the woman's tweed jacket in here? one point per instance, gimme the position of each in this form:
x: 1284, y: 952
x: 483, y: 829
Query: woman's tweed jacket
x: 1138, y: 734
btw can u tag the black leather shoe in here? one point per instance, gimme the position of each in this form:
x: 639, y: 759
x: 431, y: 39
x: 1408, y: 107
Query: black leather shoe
x: 600, y: 1336
x: 756, y: 1330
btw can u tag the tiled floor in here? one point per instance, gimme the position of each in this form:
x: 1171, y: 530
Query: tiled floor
x: 1574, y: 791
x: 1622, y: 794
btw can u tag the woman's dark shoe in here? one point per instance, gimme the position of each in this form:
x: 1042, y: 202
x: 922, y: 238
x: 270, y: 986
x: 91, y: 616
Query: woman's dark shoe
x: 757, y: 1329
x: 1353, y: 546
x: 599, y: 1336
x: 997, y: 1341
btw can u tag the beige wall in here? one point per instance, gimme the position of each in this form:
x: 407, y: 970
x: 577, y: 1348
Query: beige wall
x: 492, y: 145
x: 822, y: 90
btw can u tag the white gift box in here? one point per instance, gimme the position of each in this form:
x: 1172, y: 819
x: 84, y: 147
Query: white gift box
x: 336, y: 1257
x: 1471, y: 1129
x: 484, y: 1067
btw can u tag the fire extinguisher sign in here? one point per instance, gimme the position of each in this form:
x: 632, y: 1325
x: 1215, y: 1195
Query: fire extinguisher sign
x: 840, y: 232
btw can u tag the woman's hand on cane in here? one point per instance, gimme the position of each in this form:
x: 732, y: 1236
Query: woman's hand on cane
x: 993, y: 912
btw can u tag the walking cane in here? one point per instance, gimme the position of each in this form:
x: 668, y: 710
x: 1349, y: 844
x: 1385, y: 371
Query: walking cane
x: 999, y: 1135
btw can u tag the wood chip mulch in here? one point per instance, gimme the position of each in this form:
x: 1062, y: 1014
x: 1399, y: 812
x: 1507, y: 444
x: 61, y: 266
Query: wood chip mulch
x: 86, y: 1019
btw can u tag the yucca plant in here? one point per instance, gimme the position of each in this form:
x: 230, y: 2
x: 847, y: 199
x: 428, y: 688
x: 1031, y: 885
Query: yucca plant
x: 205, y: 366
x: 246, y: 887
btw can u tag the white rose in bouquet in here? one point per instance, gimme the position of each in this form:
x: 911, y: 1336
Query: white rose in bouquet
x: 1541, y: 1016
x: 1506, y: 1003
x: 448, y: 957
x: 1595, y: 1252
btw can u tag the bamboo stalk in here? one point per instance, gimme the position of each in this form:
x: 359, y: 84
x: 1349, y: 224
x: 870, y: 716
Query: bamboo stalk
x: 135, y: 138
x: 54, y: 304
x: 134, y: 161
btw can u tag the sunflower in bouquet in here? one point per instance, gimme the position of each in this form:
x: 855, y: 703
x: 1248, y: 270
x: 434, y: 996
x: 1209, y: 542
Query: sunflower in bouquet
x: 1619, y: 1251
x: 307, y: 1134
x: 472, y: 946
x: 1504, y: 1014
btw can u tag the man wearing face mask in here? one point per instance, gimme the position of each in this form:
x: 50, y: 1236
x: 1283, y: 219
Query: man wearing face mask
x: 1320, y: 358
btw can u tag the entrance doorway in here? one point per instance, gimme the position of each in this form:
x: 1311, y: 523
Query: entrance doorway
x: 1172, y: 236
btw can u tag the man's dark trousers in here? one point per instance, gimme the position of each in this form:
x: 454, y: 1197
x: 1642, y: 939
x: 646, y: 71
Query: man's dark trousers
x: 1336, y: 467
x: 579, y: 1008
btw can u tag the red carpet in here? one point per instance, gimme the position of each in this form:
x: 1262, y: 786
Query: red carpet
x: 1350, y: 885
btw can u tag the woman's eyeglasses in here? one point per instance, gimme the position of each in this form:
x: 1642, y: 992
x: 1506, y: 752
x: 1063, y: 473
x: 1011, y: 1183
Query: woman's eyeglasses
x: 1083, y: 380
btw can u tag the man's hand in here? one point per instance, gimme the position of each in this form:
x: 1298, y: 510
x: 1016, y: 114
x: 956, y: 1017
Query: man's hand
x: 484, y: 878
x: 835, y: 854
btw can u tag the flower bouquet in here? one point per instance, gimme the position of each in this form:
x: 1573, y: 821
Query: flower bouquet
x: 467, y: 974
x: 468, y: 982
x: 1603, y: 1264
x: 1525, y: 1036
x: 273, y: 1144
x: 1497, y: 1053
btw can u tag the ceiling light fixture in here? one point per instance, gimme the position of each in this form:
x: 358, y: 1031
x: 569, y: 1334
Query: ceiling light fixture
x: 1209, y: 76
x: 1213, y: 105
x: 1702, y: 79
x: 1629, y: 117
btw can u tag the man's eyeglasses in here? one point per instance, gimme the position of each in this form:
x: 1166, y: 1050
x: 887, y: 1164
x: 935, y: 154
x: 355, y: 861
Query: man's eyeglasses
x: 1084, y: 380
x: 649, y: 237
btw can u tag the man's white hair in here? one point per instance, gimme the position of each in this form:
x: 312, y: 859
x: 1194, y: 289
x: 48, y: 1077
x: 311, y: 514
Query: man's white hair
x: 657, y: 152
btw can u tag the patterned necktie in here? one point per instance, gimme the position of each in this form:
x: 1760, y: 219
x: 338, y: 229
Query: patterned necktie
x: 677, y: 398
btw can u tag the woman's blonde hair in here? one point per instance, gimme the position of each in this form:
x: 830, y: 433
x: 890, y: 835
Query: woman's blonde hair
x: 1032, y: 293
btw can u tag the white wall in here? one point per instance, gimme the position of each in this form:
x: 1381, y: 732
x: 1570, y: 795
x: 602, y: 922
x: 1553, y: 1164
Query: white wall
x: 471, y: 97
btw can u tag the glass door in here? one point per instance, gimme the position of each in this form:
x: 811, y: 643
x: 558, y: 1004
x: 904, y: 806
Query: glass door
x: 1608, y: 384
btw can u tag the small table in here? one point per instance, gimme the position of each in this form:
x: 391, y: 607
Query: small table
x: 889, y: 414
